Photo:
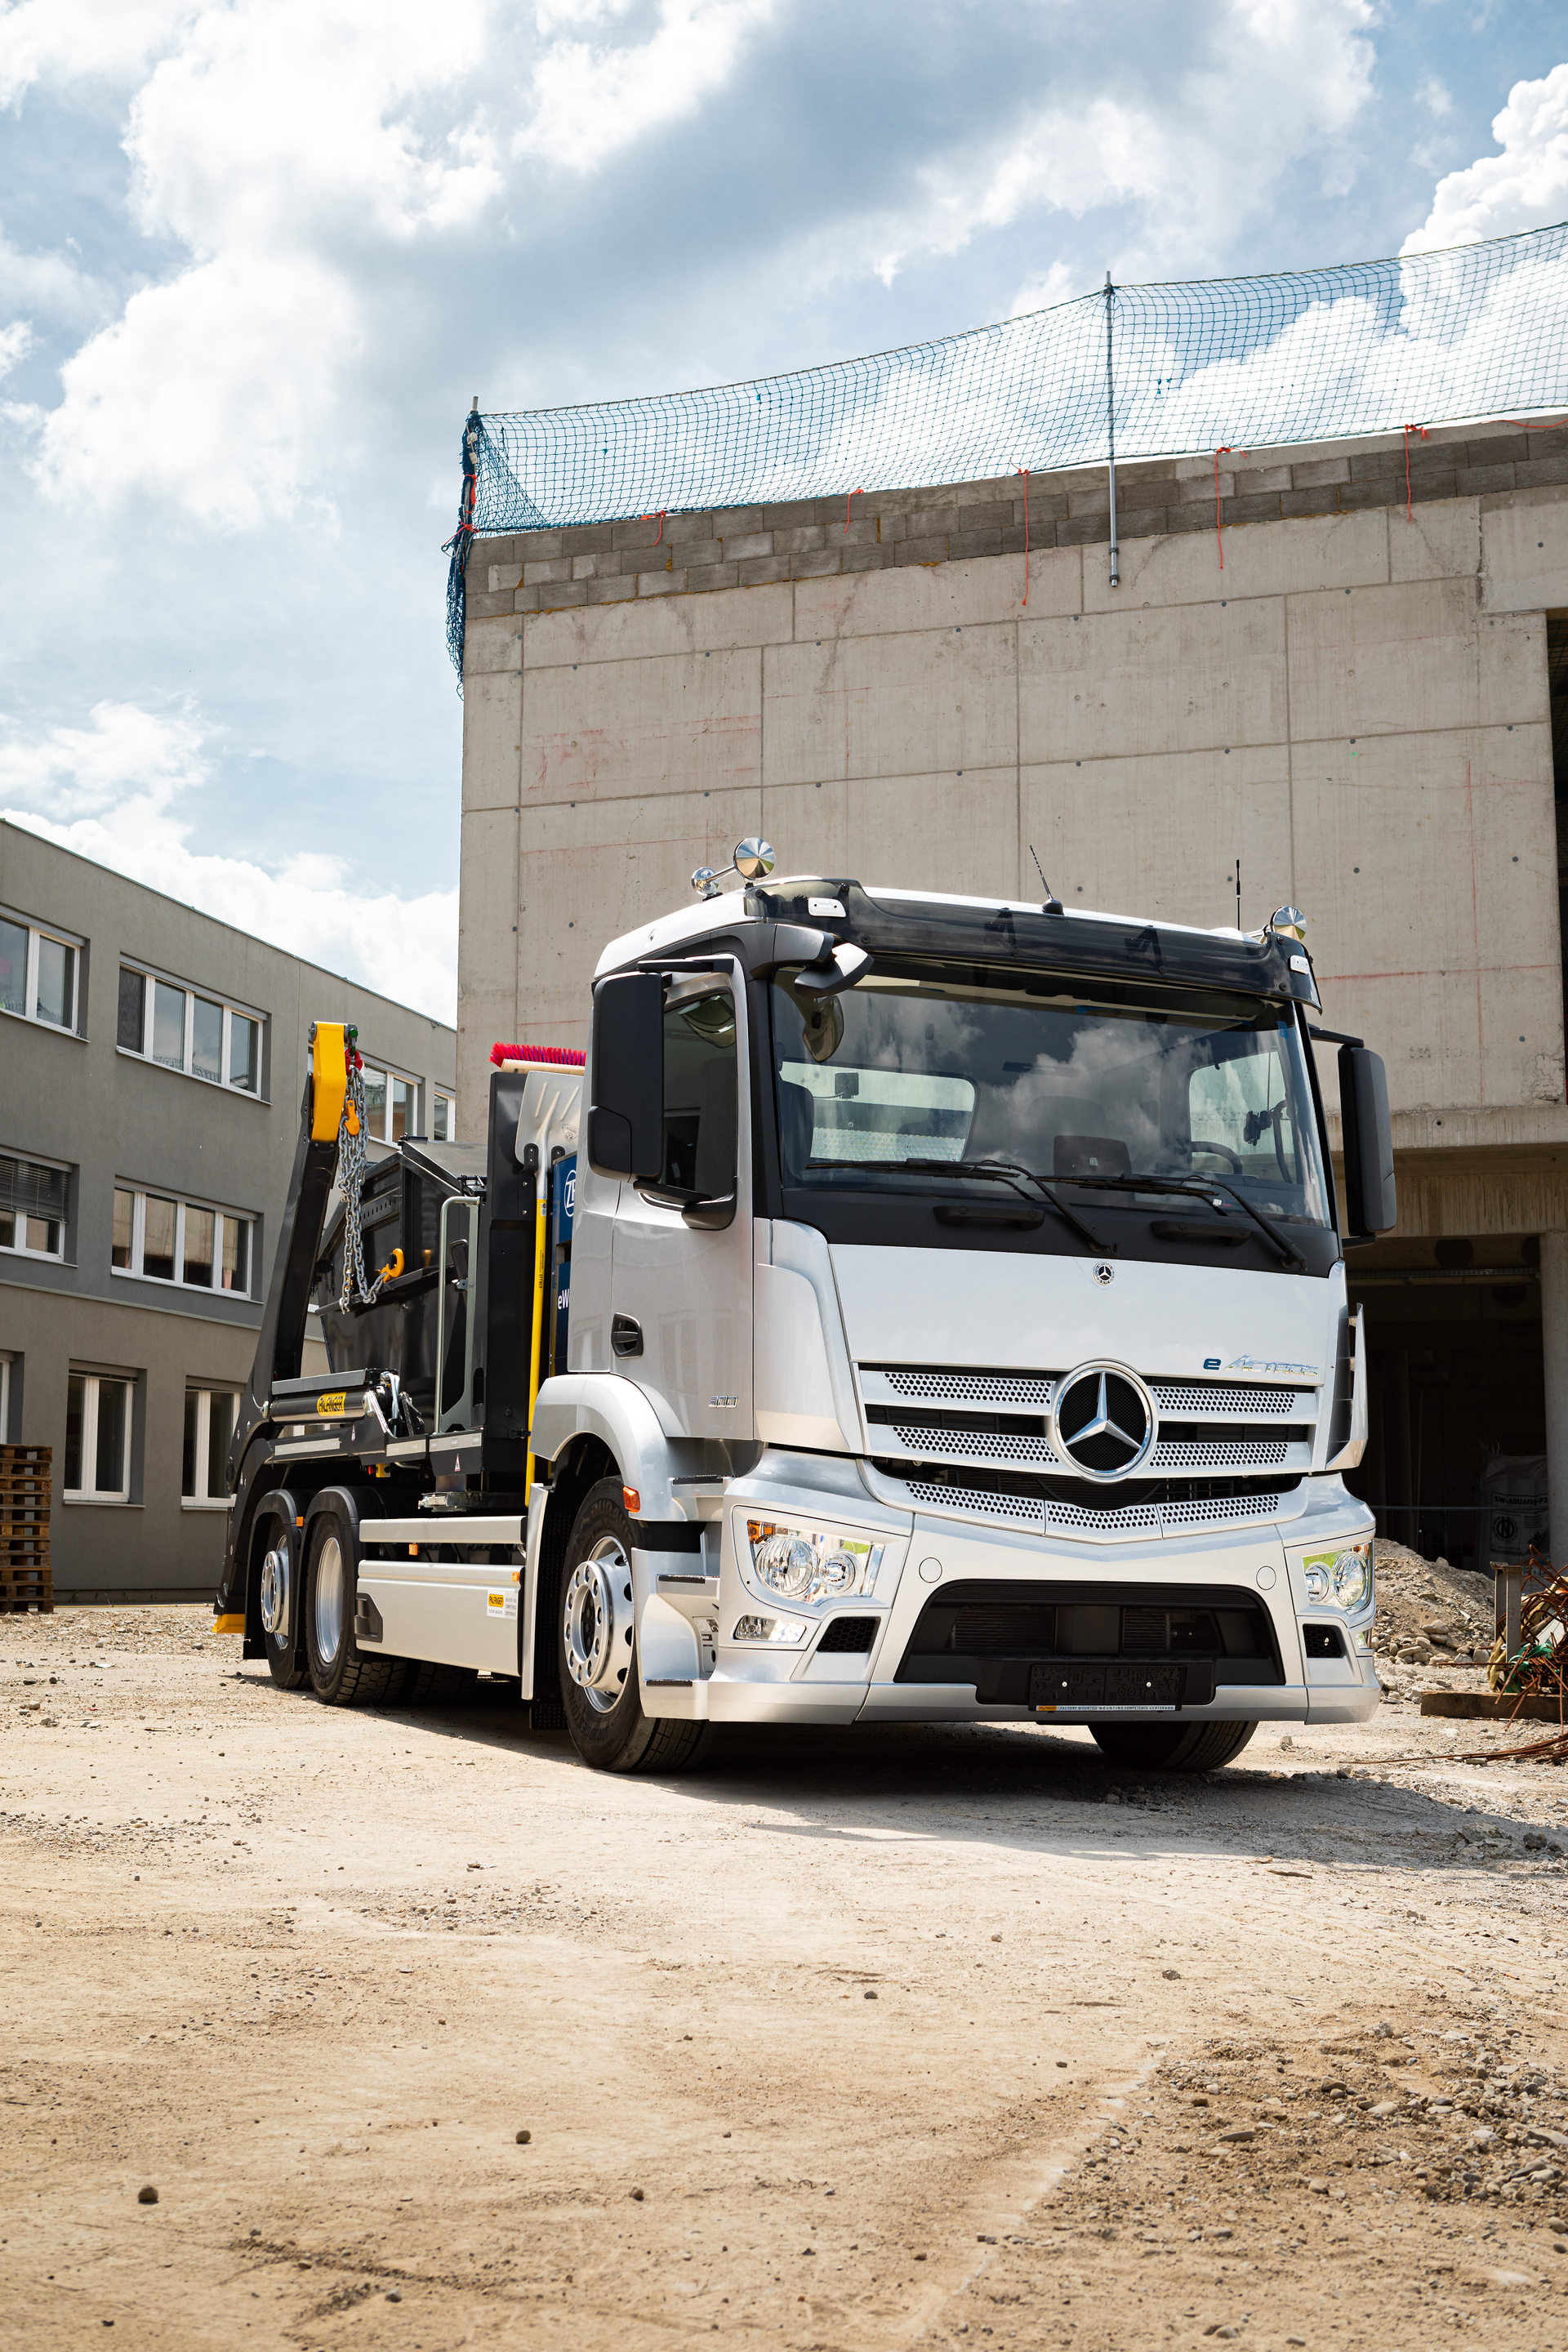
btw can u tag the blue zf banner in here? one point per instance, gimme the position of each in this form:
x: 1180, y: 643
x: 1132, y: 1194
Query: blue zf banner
x: 562, y: 1201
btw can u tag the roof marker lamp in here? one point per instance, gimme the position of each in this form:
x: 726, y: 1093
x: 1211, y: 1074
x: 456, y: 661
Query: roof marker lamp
x: 804, y: 1565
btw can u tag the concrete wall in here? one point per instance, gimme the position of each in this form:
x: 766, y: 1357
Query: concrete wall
x: 1355, y: 704
x: 114, y: 1117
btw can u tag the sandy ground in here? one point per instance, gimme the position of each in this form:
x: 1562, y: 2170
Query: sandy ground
x: 862, y: 2041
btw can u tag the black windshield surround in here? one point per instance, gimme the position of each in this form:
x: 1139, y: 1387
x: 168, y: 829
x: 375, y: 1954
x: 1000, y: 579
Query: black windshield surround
x: 1063, y: 1079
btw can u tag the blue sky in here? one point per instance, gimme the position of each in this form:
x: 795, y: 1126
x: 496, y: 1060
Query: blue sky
x: 256, y: 255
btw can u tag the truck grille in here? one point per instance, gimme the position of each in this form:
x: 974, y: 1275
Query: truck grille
x: 976, y: 1443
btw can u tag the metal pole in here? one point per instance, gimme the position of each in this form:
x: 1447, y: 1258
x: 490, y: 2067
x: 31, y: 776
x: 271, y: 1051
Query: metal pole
x: 1110, y: 434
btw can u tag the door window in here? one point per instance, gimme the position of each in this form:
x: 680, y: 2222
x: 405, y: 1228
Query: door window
x: 700, y: 1097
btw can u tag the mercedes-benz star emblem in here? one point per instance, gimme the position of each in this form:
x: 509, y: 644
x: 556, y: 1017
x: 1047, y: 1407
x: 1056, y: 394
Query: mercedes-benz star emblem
x: 1104, y: 1273
x: 1103, y: 1422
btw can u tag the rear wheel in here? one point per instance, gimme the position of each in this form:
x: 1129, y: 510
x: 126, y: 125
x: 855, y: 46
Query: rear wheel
x: 1172, y: 1747
x: 596, y: 1648
x: 341, y: 1672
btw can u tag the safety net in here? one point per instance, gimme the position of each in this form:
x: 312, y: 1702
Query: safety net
x: 1164, y: 371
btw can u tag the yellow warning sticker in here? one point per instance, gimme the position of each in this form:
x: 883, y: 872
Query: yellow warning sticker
x: 334, y: 1404
x: 496, y: 1603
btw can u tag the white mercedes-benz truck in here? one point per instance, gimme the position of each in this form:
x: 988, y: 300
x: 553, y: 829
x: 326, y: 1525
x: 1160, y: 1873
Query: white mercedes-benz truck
x: 920, y: 1308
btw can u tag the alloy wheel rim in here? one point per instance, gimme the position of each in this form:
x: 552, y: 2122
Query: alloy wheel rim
x: 329, y: 1601
x: 595, y: 1621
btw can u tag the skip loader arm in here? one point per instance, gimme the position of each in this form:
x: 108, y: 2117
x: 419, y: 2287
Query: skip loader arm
x: 280, y: 1342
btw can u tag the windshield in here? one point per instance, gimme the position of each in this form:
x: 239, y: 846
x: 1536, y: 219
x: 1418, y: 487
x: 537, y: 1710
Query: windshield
x: 1082, y: 1085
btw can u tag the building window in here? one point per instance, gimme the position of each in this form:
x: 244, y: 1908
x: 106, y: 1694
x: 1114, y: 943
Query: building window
x: 164, y: 1239
x: 98, y: 1439
x: 444, y: 1118
x: 40, y: 973
x: 391, y: 1105
x: 33, y: 1207
x: 203, y: 1036
x: 210, y: 1427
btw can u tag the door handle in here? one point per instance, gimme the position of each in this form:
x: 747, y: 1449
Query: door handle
x: 625, y: 1335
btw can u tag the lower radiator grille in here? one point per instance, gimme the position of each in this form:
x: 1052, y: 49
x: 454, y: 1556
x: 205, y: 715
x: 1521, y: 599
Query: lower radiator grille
x: 1142, y: 1506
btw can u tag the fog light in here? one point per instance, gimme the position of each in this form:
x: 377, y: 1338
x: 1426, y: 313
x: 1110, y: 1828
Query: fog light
x: 1315, y: 1575
x: 770, y: 1629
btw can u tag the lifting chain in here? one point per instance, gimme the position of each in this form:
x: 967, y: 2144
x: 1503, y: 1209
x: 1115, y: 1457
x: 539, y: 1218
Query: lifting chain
x: 354, y: 1166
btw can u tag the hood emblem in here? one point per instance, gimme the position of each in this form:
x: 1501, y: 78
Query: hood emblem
x: 1103, y: 1423
x: 1104, y: 1273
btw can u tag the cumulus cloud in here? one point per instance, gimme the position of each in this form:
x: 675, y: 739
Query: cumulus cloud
x: 106, y: 40
x: 120, y: 791
x: 591, y: 98
x: 1275, y: 79
x: 1524, y: 187
x: 16, y: 342
x: 278, y: 140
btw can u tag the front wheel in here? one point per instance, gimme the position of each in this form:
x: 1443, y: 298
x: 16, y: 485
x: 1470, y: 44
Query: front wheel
x: 596, y: 1649
x: 1172, y: 1747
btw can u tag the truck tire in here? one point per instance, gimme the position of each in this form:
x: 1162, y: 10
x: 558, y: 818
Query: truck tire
x: 596, y: 1649
x: 341, y: 1674
x: 276, y: 1550
x: 425, y: 1684
x: 1172, y: 1747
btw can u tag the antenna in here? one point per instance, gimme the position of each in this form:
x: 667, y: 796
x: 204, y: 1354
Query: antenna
x: 1053, y: 905
x: 1238, y: 894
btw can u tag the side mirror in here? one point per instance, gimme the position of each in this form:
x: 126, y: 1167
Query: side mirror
x: 1370, y: 1203
x: 837, y: 967
x: 625, y: 1078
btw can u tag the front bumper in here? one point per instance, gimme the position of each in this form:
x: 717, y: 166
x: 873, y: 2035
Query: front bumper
x: 924, y: 1559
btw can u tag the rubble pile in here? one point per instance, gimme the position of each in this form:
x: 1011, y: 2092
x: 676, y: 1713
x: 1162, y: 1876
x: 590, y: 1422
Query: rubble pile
x: 1429, y: 1613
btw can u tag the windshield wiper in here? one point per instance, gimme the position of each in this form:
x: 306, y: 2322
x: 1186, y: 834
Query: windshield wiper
x: 1194, y: 1187
x: 1007, y: 1172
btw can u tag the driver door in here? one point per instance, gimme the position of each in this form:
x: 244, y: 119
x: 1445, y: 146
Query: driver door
x: 680, y: 1293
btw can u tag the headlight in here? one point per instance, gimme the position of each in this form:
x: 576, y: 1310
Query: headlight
x: 1343, y: 1577
x: 802, y: 1566
x: 1352, y: 1577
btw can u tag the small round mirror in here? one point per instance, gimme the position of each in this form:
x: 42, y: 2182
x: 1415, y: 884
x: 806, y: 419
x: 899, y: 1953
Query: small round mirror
x: 1290, y: 922
x: 753, y: 859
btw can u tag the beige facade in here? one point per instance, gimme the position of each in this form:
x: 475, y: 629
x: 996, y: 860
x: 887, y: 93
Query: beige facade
x: 1355, y: 703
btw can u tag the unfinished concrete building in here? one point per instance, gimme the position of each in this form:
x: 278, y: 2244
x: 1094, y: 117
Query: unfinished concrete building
x: 1341, y: 668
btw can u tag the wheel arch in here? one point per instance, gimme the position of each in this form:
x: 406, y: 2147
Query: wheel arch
x: 581, y: 1462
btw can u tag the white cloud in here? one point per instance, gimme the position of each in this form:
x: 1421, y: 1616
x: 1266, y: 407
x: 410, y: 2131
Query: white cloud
x: 1435, y: 97
x: 591, y: 98
x: 1046, y: 288
x: 1293, y: 76
x: 215, y: 392
x: 279, y: 141
x: 16, y: 342
x: 110, y: 791
x: 1524, y: 187
x: 72, y: 40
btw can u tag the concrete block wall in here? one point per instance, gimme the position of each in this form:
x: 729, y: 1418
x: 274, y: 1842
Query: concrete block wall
x: 1353, y: 703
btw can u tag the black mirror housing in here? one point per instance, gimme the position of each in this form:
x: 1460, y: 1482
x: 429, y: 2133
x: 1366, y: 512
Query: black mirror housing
x: 1370, y: 1206
x: 625, y: 1078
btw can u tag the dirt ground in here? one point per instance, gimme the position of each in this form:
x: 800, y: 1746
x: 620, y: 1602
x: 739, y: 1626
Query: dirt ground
x: 1279, y: 2059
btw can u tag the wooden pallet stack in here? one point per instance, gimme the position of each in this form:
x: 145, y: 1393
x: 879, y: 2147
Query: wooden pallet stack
x: 25, y: 1579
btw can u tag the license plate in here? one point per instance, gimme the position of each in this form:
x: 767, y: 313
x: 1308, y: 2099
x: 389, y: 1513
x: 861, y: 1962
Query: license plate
x: 1061, y: 1684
